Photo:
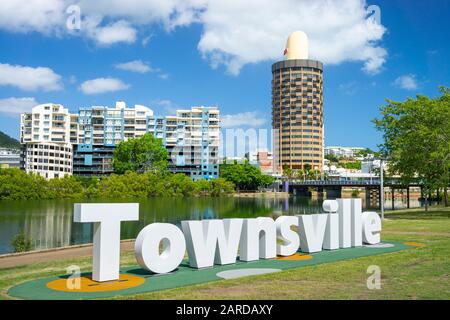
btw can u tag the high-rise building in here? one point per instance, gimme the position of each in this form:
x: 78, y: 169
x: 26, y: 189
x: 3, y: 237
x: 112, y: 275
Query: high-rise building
x: 97, y: 130
x: 192, y: 140
x: 90, y: 136
x: 297, y: 108
x: 44, y: 134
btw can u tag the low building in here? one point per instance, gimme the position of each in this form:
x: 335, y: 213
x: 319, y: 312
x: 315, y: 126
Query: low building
x: 371, y: 165
x: 343, y: 152
x: 262, y: 158
x: 10, y: 158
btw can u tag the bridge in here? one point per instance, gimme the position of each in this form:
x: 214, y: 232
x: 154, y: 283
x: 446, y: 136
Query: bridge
x: 333, y: 188
x: 350, y: 183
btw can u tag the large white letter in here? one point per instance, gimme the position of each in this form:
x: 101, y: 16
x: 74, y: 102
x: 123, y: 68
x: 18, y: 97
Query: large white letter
x: 344, y: 211
x: 212, y: 241
x: 290, y: 238
x: 258, y: 239
x: 356, y: 223
x: 312, y: 231
x: 148, y: 243
x: 106, y: 218
x: 331, y: 240
x: 371, y: 225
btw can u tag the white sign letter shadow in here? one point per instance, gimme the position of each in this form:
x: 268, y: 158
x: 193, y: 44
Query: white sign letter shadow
x: 106, y: 218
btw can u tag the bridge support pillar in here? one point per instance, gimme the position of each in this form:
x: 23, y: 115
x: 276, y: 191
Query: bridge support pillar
x: 372, y: 198
x: 407, y: 197
x: 393, y: 197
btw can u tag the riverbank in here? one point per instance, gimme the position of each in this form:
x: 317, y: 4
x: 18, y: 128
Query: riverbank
x: 261, y: 194
x: 38, y: 256
x: 422, y: 273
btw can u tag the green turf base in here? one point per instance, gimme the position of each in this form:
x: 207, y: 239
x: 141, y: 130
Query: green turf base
x: 185, y: 275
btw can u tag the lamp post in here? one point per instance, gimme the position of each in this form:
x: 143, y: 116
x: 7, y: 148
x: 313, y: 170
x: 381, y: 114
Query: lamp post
x: 381, y: 188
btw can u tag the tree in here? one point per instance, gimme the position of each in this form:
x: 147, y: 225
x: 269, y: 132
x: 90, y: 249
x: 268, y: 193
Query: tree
x: 417, y: 140
x: 288, y: 172
x: 143, y: 154
x: 245, y: 176
x: 332, y: 158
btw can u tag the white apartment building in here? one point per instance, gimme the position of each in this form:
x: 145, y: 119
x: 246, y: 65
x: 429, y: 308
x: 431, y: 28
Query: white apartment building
x: 45, y: 134
x: 345, y: 152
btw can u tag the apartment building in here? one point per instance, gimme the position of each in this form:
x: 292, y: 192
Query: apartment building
x: 97, y: 130
x: 191, y: 137
x: 44, y: 134
x: 192, y: 140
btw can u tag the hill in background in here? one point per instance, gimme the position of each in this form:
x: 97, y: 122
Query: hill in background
x: 8, y: 142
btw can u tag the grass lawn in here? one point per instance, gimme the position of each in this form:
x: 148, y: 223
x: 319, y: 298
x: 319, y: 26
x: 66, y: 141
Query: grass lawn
x: 422, y: 273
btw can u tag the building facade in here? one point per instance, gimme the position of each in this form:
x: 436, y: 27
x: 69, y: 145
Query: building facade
x: 44, y: 134
x: 91, y: 136
x: 192, y: 140
x: 96, y: 131
x: 343, y: 152
x: 9, y: 158
x: 297, y: 108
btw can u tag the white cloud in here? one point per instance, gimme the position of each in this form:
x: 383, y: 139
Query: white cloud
x: 141, y: 67
x: 235, y: 33
x: 14, y: 106
x: 146, y: 41
x: 407, y: 82
x: 244, y: 119
x: 102, y: 85
x: 164, y: 76
x: 134, y: 66
x: 29, y: 78
x: 169, y: 107
x: 349, y: 88
x: 44, y: 16
x: 117, y: 32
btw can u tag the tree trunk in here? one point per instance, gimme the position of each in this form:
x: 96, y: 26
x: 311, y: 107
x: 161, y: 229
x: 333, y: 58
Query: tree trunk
x: 445, y: 196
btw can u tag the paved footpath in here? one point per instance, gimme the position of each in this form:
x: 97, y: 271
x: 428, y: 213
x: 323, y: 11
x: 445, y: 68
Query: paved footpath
x: 72, y: 252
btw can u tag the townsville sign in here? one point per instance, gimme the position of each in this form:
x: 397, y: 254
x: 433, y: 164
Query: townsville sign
x: 161, y: 247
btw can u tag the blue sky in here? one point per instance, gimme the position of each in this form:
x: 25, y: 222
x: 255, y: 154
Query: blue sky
x: 187, y: 58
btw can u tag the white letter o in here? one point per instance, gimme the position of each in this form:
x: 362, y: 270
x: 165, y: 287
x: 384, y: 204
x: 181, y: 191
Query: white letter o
x: 147, y: 247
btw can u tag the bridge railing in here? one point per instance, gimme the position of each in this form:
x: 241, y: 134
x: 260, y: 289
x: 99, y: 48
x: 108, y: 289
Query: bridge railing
x: 335, y: 182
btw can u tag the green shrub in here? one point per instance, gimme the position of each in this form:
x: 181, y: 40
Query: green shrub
x: 21, y: 243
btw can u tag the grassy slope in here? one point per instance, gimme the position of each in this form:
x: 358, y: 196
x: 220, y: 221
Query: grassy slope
x: 422, y: 273
x: 8, y: 142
